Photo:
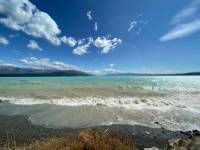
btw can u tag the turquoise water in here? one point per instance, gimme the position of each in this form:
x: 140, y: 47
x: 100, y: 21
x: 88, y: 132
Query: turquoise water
x: 174, y: 101
x: 136, y: 81
x: 156, y: 83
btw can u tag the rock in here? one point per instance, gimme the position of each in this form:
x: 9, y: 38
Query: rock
x: 133, y: 134
x: 1, y: 101
x: 184, y: 144
x: 191, y: 134
x: 144, y: 100
x: 152, y: 148
x: 136, y: 102
x: 196, y: 133
x: 100, y: 104
x: 146, y: 132
x: 182, y: 132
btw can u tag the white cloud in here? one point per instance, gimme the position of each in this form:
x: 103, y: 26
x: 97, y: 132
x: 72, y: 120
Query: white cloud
x: 3, y: 63
x: 81, y: 41
x: 34, y: 45
x: 111, y: 65
x: 137, y: 24
x: 82, y: 48
x: 4, y: 40
x: 189, y: 12
x: 70, y: 41
x: 185, y: 23
x: 107, y: 44
x: 105, y: 71
x: 132, y: 25
x: 22, y: 15
x: 182, y: 30
x: 95, y: 26
x: 89, y: 15
x: 46, y: 63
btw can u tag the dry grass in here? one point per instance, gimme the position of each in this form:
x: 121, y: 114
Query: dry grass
x: 89, y: 139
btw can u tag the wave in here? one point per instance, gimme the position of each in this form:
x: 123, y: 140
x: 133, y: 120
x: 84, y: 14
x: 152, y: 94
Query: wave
x: 175, y: 112
x: 161, y: 103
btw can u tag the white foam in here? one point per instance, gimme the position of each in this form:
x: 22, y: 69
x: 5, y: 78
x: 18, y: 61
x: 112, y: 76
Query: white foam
x: 160, y: 103
x: 125, y: 102
x: 172, y: 112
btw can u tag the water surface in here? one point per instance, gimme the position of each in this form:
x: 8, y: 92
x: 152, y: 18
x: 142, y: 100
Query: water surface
x: 174, y: 101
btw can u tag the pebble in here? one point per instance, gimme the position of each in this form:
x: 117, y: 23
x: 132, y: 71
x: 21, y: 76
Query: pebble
x: 146, y: 132
x: 152, y: 148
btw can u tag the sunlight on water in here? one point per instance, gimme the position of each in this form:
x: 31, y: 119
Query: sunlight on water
x: 174, y: 101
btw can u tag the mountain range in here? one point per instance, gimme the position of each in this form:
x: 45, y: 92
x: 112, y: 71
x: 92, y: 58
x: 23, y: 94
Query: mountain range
x: 11, y: 71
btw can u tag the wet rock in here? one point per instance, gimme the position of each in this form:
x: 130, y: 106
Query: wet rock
x: 196, y: 133
x: 144, y: 100
x: 100, y: 104
x: 136, y: 102
x: 191, y: 134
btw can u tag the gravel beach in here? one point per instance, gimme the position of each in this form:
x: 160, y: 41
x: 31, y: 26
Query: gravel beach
x: 25, y: 133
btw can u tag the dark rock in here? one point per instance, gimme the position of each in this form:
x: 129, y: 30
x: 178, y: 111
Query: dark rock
x: 184, y: 144
x: 182, y: 132
x: 99, y: 104
x: 196, y: 133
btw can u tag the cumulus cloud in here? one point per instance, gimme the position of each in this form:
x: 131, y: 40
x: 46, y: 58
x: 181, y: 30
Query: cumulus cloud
x: 46, y: 63
x: 70, y: 41
x: 82, y: 48
x: 186, y: 22
x: 22, y: 15
x: 34, y: 45
x: 4, y: 40
x: 81, y: 41
x: 107, y: 45
x: 95, y: 26
x: 89, y: 15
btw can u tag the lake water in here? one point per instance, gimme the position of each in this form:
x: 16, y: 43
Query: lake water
x: 173, y: 101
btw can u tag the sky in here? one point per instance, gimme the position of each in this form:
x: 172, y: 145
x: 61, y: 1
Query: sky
x: 101, y: 36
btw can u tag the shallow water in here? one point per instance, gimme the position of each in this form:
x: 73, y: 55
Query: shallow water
x: 89, y: 101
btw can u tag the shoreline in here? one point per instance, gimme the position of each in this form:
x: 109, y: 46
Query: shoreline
x: 26, y: 133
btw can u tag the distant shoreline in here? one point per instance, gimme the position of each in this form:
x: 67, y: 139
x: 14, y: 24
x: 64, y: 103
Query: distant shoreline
x: 153, y: 75
x: 9, y: 71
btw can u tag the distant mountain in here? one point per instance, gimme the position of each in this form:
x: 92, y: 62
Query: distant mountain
x: 155, y: 74
x: 9, y: 71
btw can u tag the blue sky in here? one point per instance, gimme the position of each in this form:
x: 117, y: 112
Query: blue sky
x: 101, y: 36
